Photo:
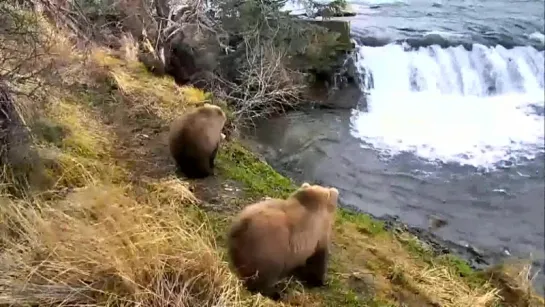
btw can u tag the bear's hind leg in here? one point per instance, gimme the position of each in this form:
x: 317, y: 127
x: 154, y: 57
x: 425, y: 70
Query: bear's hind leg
x: 313, y: 272
x: 213, y: 158
x: 264, y: 283
x: 190, y: 167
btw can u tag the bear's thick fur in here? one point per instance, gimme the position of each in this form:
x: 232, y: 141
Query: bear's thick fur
x: 276, y: 238
x: 194, y: 140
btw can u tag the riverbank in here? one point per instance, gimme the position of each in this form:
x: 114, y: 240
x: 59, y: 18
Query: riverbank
x: 107, y: 222
x: 317, y: 145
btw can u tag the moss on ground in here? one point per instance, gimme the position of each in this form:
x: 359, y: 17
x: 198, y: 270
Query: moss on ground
x: 260, y: 179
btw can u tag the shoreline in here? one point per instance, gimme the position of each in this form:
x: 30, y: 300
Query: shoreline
x: 477, y: 260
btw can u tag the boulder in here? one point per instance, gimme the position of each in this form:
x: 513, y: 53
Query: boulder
x: 328, y: 58
x: 189, y: 51
x: 347, y: 11
x: 339, y: 26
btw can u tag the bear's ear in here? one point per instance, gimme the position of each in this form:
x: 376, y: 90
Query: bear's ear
x: 305, y: 185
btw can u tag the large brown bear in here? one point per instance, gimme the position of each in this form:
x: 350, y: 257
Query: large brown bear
x: 194, y: 140
x: 277, y: 238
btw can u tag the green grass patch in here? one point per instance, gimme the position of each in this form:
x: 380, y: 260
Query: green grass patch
x: 338, y: 293
x: 364, y: 222
x: 417, y: 248
x: 461, y: 267
x: 260, y: 179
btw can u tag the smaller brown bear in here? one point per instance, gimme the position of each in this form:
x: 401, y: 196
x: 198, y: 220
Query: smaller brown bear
x: 194, y: 140
x: 277, y: 238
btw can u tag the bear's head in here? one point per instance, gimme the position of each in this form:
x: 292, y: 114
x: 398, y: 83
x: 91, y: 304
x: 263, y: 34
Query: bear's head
x: 213, y: 111
x: 317, y: 197
x: 216, y: 116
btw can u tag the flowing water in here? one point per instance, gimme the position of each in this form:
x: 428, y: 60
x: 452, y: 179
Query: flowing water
x: 452, y: 125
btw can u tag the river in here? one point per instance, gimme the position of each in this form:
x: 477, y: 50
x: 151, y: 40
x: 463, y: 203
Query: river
x: 452, y: 126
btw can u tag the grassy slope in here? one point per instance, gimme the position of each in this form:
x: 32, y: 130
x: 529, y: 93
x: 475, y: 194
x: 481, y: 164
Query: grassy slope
x: 115, y: 226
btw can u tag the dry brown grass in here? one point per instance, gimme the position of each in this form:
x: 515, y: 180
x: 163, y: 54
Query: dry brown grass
x: 443, y: 285
x: 104, y: 239
x: 514, y: 279
x: 99, y: 246
x: 146, y: 93
x: 444, y: 288
x: 401, y: 275
x: 74, y: 144
x: 169, y: 190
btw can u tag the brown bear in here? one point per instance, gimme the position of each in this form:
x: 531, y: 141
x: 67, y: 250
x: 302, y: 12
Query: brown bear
x: 277, y: 238
x: 194, y: 140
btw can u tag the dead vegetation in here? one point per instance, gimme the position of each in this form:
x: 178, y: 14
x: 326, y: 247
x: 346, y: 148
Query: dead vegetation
x: 514, y: 279
x: 248, y: 53
x: 401, y: 276
x: 266, y: 86
x: 106, y: 222
x: 91, y: 236
x: 99, y: 245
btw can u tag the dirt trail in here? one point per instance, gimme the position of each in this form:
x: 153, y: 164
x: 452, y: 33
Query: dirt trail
x: 143, y: 147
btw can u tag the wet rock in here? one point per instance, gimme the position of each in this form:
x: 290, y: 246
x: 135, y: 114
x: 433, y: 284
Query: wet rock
x: 345, y: 98
x: 436, y: 222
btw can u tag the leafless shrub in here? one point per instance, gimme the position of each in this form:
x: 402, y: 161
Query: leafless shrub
x: 24, y: 49
x: 25, y: 66
x: 266, y: 85
x: 242, y: 51
x: 248, y: 52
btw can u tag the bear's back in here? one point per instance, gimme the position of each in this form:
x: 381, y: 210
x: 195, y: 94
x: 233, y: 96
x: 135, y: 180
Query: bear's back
x: 196, y: 129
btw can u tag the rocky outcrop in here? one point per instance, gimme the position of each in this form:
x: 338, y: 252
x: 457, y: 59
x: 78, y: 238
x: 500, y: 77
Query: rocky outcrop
x: 333, y: 68
x: 190, y: 52
x: 345, y: 97
x: 193, y: 54
x: 342, y: 27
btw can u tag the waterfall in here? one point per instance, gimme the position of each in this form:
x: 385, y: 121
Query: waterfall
x: 481, y: 106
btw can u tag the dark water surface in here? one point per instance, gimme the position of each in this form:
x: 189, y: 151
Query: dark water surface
x: 452, y: 128
x: 450, y: 23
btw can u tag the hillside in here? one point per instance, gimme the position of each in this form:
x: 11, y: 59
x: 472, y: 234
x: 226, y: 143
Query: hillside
x: 103, y: 220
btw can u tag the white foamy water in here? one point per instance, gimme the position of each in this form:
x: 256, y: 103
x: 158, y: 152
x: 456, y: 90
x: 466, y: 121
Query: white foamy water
x: 537, y: 37
x: 453, y: 105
